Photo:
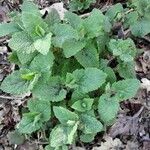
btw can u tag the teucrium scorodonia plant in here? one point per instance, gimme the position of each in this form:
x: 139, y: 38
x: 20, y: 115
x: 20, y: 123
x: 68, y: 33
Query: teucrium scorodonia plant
x: 65, y: 65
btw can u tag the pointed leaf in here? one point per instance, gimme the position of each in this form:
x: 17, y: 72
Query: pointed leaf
x: 64, y: 115
x: 53, y: 90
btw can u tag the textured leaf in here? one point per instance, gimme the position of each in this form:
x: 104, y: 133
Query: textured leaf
x: 62, y: 33
x: 108, y: 108
x: 40, y: 106
x: 58, y: 137
x: 42, y: 63
x: 125, y: 49
x: 72, y: 46
x: 88, y: 57
x: 52, y: 18
x: 86, y: 80
x: 76, y: 5
x: 94, y: 23
x: 62, y: 135
x: 114, y: 10
x: 83, y: 105
x: 15, y: 84
x: 111, y: 77
x: 74, y: 20
x: 30, y: 7
x: 64, y: 115
x: 43, y: 45
x: 71, y: 132
x: 126, y: 70
x: 13, y: 58
x: 29, y: 123
x: 141, y: 28
x: 9, y: 28
x: 102, y: 40
x: 31, y: 22
x: 141, y: 6
x: 21, y: 41
x: 87, y: 138
x: 126, y: 89
x: 53, y: 90
x: 91, y: 124
x: 131, y: 18
x: 69, y: 65
x: 25, y: 58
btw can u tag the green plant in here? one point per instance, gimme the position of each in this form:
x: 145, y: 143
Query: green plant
x: 80, y: 5
x: 66, y: 66
x: 135, y: 16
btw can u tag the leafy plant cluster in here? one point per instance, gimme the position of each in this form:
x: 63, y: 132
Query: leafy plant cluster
x: 66, y: 66
x: 80, y: 5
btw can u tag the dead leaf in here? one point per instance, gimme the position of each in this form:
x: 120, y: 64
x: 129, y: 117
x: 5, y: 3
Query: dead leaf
x: 58, y: 6
x: 110, y: 144
x: 28, y: 146
x: 132, y: 146
x: 145, y: 84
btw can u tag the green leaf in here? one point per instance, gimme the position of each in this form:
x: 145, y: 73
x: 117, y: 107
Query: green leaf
x: 25, y: 58
x: 9, y: 28
x: 91, y: 124
x: 72, y: 46
x: 86, y: 80
x: 87, y: 138
x: 111, y: 77
x: 15, y: 84
x: 74, y: 20
x: 52, y: 18
x: 31, y: 22
x: 40, y: 106
x: 71, y: 132
x: 83, y: 105
x: 131, y: 18
x: 126, y: 89
x: 125, y: 49
x: 94, y: 23
x: 15, y: 137
x: 62, y: 33
x: 141, y: 6
x: 76, y: 5
x: 62, y: 135
x: 42, y: 63
x: 21, y: 41
x: 64, y: 115
x: 29, y: 123
x: 141, y: 28
x: 114, y: 10
x: 53, y: 90
x: 126, y: 70
x: 58, y: 136
x: 43, y: 45
x: 13, y: 58
x: 101, y: 42
x: 69, y: 65
x: 108, y: 108
x: 30, y: 7
x: 88, y: 57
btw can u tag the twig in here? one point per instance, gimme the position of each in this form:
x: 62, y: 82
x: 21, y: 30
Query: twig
x: 139, y: 112
x: 9, y: 97
x: 146, y: 38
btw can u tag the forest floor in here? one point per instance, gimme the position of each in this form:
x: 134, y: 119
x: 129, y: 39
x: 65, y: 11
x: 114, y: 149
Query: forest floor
x: 131, y: 130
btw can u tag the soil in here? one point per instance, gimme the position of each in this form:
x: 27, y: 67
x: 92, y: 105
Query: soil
x: 131, y: 131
